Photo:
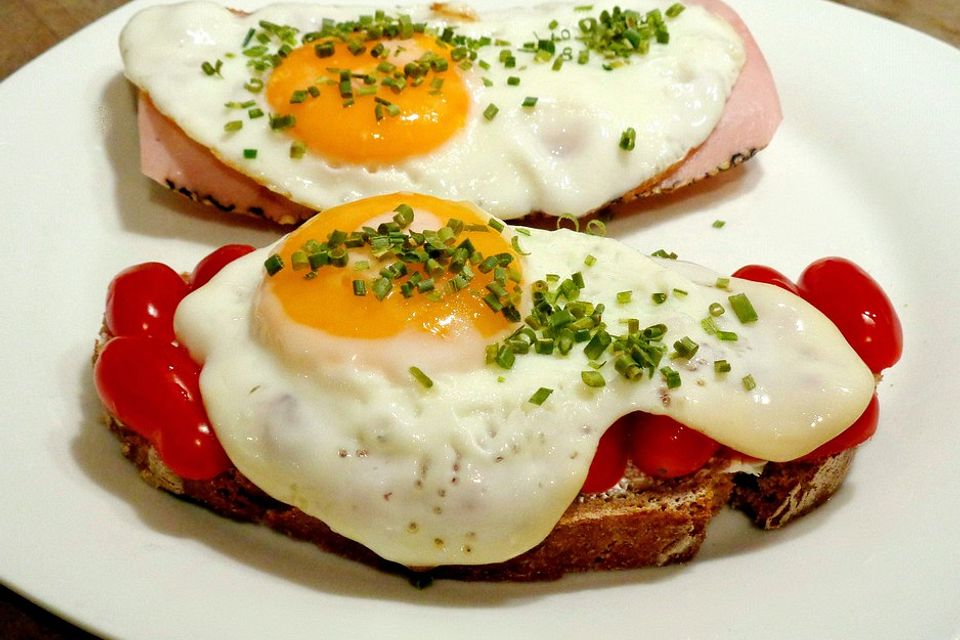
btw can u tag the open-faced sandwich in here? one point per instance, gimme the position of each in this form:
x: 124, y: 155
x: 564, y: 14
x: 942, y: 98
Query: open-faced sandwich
x: 554, y: 109
x: 407, y: 381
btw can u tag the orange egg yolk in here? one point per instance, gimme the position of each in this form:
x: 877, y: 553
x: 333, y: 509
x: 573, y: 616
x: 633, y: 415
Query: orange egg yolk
x: 326, y: 299
x: 369, y: 123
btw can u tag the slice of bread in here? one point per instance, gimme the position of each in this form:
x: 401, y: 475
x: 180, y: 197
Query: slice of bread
x: 642, y: 522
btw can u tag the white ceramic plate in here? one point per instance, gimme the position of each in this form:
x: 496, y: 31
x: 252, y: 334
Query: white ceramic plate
x: 864, y: 165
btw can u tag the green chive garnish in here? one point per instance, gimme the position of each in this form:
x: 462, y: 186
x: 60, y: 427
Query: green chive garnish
x: 749, y: 383
x: 658, y: 298
x: 233, y: 125
x: 743, y: 308
x: 421, y: 377
x: 623, y: 297
x: 491, y: 111
x: 540, y: 396
x: 671, y: 377
x: 721, y: 366
x: 716, y: 309
x: 529, y: 101
x: 297, y: 149
x: 273, y: 264
x: 628, y: 139
x: 250, y: 154
x: 718, y: 224
x: 592, y: 379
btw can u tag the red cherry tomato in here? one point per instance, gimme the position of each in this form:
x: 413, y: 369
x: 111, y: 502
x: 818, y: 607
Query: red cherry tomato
x: 152, y: 387
x: 662, y: 447
x: 141, y: 301
x: 610, y: 460
x: 760, y: 273
x: 211, y: 265
x: 857, y: 433
x: 854, y: 301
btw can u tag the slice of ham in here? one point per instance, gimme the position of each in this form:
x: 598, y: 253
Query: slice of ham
x: 169, y: 156
x: 750, y: 118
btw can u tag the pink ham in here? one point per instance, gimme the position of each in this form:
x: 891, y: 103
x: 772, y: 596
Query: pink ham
x: 749, y: 120
x: 170, y: 157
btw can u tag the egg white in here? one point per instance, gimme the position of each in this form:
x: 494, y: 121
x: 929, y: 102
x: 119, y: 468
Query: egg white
x: 469, y: 470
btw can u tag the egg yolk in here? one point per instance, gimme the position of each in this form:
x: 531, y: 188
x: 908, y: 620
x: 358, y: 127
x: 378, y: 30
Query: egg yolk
x: 365, y: 109
x: 326, y: 299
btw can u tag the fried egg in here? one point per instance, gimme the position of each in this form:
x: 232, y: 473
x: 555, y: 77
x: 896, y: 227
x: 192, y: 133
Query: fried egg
x: 412, y: 372
x: 554, y: 108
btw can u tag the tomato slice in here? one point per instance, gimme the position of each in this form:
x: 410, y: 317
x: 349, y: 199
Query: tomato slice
x: 215, y: 261
x: 662, y: 447
x: 142, y: 299
x: 610, y: 460
x: 153, y: 387
x: 761, y: 273
x: 857, y: 433
x: 854, y: 301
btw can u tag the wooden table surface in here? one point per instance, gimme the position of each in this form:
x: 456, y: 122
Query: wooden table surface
x: 30, y: 27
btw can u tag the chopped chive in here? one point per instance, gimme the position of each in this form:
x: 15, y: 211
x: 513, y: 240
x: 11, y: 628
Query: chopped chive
x: 623, y: 297
x: 297, y: 149
x: 359, y: 288
x: 721, y: 366
x: 674, y: 10
x: 250, y: 154
x: 597, y: 228
x: 273, y: 264
x: 529, y: 101
x: 722, y: 282
x: 718, y: 224
x: 593, y: 379
x: 540, y: 396
x: 658, y: 298
x: 628, y: 139
x: 299, y: 260
x: 590, y: 260
x: 743, y: 308
x: 212, y: 70
x: 233, y: 125
x: 513, y: 81
x: 686, y: 347
x: 421, y: 377
x: 727, y: 336
x: 671, y: 377
x: 716, y: 309
x: 749, y: 383
x: 491, y: 111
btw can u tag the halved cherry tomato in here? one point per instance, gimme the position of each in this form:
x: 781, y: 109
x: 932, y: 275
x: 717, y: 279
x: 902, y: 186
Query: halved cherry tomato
x: 854, y: 301
x: 152, y: 387
x: 760, y: 273
x: 141, y: 301
x: 610, y: 460
x: 662, y: 447
x: 213, y: 262
x: 857, y: 433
